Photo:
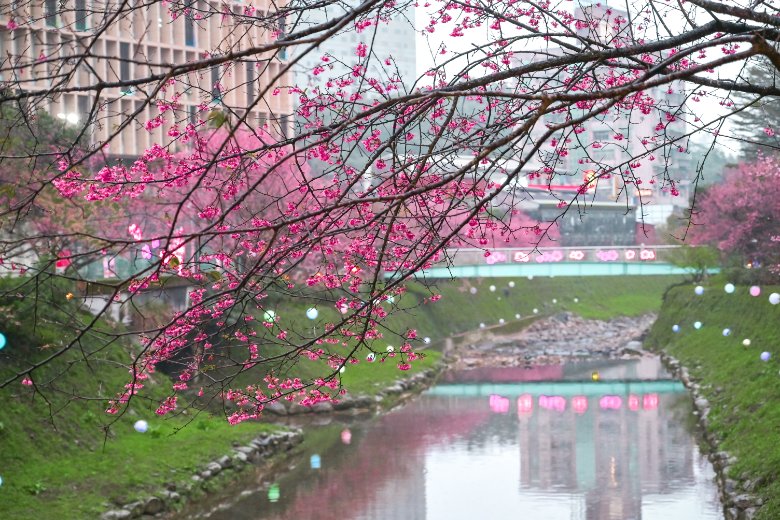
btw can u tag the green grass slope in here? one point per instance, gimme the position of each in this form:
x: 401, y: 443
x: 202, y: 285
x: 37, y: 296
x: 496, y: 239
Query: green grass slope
x: 743, y: 390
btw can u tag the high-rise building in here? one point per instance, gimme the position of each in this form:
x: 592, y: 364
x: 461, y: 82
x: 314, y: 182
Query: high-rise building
x: 641, y: 148
x: 64, y: 50
x: 393, y: 39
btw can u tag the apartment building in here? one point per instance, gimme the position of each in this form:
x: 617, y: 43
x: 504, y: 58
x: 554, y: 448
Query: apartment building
x: 62, y: 49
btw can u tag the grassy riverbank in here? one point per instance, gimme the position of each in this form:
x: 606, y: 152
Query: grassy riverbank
x: 65, y: 458
x: 743, y: 391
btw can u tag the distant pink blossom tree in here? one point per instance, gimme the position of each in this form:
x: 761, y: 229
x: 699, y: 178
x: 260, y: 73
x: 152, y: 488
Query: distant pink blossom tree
x: 739, y: 216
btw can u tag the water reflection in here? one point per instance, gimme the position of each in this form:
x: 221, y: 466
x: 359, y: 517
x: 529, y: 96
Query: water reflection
x: 547, y: 457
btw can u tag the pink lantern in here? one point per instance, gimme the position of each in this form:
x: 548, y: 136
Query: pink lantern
x: 346, y: 436
x: 633, y: 403
x: 755, y: 290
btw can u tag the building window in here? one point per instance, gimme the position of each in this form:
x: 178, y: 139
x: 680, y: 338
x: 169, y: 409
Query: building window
x: 51, y: 13
x: 124, y: 62
x: 216, y: 89
x: 282, y: 54
x: 250, y: 84
x: 189, y: 24
x: 81, y: 15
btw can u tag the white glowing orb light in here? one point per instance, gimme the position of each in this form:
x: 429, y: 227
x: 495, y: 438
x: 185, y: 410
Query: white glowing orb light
x: 511, y: 285
x: 699, y: 290
x: 141, y: 426
x: 697, y: 325
x: 427, y: 340
x: 555, y: 300
x: 517, y: 316
x: 576, y: 300
x: 390, y: 349
x: 342, y: 370
x: 269, y: 316
x: 755, y: 290
x: 492, y: 288
x: 746, y: 342
x: 774, y: 298
x: 3, y: 341
x: 727, y: 332
x: 481, y: 325
x: 675, y: 328
x: 1, y: 481
x: 536, y: 311
x: 501, y: 321
x: 530, y: 277
x: 312, y: 313
x: 473, y: 290
x: 729, y: 288
x: 766, y: 356
x: 370, y: 357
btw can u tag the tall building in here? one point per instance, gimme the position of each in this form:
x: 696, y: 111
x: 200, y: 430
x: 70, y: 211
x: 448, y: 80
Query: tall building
x: 393, y: 38
x: 643, y: 145
x: 70, y: 46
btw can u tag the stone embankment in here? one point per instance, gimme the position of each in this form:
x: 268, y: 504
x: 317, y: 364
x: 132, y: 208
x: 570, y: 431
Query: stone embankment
x: 552, y: 340
x: 738, y: 501
x: 257, y: 450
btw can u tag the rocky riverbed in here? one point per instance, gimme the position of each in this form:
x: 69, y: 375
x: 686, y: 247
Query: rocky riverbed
x: 552, y: 340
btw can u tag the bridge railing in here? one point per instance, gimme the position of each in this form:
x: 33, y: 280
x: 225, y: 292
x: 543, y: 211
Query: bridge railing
x: 601, y: 254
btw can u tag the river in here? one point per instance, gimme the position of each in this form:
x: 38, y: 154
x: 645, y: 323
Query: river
x: 542, y: 443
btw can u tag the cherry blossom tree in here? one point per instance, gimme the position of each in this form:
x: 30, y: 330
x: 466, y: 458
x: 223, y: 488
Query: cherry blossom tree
x: 378, y: 176
x: 739, y: 215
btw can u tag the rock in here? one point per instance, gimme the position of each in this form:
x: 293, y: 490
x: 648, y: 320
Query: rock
x: 394, y: 389
x: 243, y: 457
x: 345, y: 403
x: 116, y: 514
x: 171, y: 496
x: 205, y: 475
x: 198, y: 478
x: 297, y: 409
x: 225, y: 462
x: 153, y: 505
x: 213, y: 467
x: 246, y: 450
x: 136, y: 509
x: 742, y: 501
x: 275, y: 407
x: 322, y: 407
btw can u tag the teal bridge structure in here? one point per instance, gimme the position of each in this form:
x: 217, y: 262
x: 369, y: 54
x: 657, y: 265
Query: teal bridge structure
x: 557, y: 261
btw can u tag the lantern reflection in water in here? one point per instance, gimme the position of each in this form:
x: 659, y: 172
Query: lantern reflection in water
x: 579, y: 403
x: 552, y: 402
x: 499, y: 404
x: 650, y: 401
x: 525, y: 404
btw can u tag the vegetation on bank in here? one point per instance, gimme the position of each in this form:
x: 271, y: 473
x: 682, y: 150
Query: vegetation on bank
x: 63, y: 457
x: 742, y: 389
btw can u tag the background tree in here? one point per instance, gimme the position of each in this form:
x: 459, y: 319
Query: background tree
x: 739, y: 216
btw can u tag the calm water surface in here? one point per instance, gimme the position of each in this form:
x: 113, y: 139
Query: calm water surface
x: 544, y: 443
